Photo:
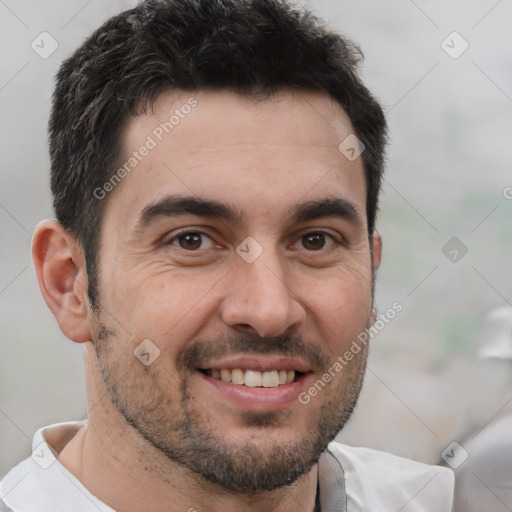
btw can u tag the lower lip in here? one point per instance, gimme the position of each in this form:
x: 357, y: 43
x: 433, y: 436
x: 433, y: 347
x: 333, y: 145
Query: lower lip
x: 258, y: 399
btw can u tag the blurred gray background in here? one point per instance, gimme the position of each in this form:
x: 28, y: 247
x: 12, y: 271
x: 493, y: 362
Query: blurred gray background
x: 449, y: 166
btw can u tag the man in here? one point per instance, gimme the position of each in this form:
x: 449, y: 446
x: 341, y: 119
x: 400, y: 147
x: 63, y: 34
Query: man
x: 216, y: 167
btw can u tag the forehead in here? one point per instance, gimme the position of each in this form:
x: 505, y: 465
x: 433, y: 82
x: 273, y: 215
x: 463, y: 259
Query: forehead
x: 257, y: 154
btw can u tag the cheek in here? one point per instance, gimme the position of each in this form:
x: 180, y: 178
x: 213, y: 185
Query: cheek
x: 164, y: 305
x: 338, y: 303
x: 159, y: 288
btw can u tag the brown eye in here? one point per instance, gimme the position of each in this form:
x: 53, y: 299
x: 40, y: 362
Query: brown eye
x: 192, y: 241
x: 313, y: 241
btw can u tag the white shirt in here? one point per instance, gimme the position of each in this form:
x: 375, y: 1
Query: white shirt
x: 350, y: 480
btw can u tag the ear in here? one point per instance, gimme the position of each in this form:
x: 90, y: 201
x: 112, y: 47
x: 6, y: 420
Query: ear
x: 62, y: 277
x: 377, y: 249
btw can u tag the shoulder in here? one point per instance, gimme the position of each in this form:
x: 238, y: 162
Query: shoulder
x: 374, y: 477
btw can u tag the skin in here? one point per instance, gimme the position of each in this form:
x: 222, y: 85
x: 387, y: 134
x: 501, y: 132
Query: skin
x: 262, y: 158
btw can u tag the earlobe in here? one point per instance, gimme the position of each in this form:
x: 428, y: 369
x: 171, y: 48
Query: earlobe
x: 62, y: 278
x: 377, y: 249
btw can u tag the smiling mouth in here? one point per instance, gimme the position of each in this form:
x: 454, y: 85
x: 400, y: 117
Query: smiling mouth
x: 253, y: 378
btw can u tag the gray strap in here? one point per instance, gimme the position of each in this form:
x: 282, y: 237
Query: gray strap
x: 333, y: 496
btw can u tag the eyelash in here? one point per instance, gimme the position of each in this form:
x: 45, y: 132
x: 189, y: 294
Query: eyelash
x: 185, y: 232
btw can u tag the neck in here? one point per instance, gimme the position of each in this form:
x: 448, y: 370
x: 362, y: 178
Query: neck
x: 128, y: 474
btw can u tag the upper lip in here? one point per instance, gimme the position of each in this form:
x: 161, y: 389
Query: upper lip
x: 259, y: 364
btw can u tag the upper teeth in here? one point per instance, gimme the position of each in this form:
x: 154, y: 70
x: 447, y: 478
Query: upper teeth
x: 253, y: 378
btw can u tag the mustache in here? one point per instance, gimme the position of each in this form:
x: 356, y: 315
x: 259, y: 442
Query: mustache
x: 254, y: 344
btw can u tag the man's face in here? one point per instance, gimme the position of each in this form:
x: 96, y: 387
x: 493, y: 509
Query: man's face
x: 177, y: 268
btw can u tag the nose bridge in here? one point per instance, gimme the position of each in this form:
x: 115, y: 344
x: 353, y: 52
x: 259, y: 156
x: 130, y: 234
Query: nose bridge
x: 267, y: 280
x: 259, y: 296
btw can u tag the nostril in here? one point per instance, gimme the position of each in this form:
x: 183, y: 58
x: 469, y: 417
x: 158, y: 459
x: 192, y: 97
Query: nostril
x: 246, y: 328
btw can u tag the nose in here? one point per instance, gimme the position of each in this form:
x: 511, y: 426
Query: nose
x: 259, y: 299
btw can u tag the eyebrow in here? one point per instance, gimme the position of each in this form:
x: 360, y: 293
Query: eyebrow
x: 174, y: 206
x: 328, y: 207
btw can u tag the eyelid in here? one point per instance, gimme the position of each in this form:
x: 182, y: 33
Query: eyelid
x: 168, y: 240
x: 336, y: 237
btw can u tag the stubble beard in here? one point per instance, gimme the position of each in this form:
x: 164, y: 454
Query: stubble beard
x: 179, y: 426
